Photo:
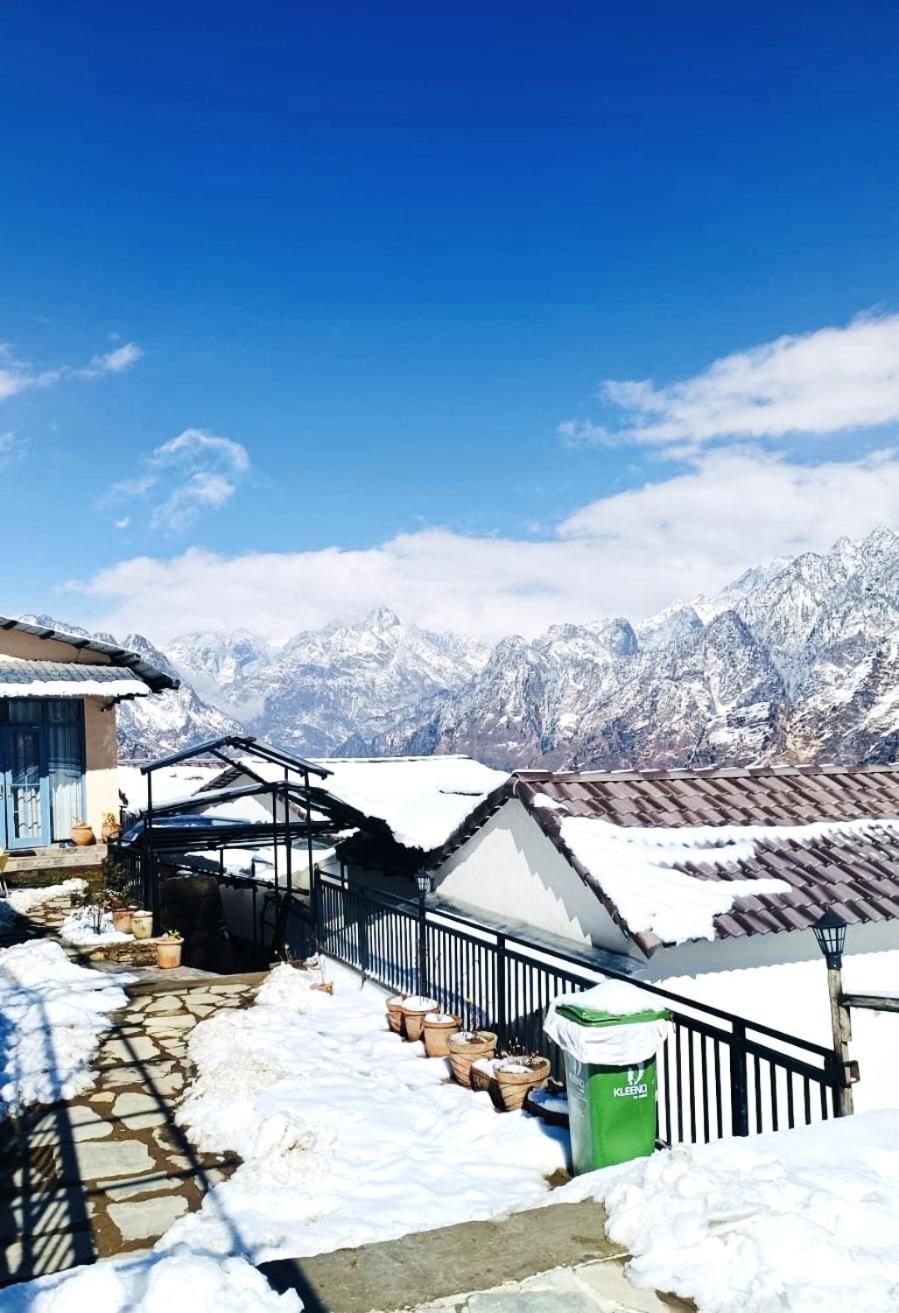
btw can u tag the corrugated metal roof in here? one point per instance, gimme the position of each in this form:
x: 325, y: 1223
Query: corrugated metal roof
x: 155, y: 679
x: 20, y: 678
x: 856, y: 874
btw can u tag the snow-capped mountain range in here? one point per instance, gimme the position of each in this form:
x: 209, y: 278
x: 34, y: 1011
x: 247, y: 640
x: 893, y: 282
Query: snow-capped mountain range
x: 796, y: 661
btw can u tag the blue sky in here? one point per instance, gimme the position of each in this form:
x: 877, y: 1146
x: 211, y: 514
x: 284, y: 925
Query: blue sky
x: 386, y: 252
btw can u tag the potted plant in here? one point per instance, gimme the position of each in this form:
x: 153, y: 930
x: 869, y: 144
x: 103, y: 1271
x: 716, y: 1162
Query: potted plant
x: 111, y: 828
x: 168, y: 950
x: 141, y: 924
x: 117, y: 890
x: 414, y: 1009
x: 437, y: 1030
x: 82, y: 834
x: 516, y: 1074
x: 464, y: 1047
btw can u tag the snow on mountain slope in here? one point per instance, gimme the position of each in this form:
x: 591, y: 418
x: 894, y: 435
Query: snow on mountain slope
x: 797, y: 660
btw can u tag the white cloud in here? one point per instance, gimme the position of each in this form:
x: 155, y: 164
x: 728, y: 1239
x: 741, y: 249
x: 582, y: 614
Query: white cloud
x: 10, y: 447
x: 823, y: 382
x: 629, y: 554
x: 20, y: 375
x: 112, y: 362
x: 192, y: 472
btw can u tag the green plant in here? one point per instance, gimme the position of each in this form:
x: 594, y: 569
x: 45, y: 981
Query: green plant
x: 78, y: 823
x: 173, y: 936
x: 115, y: 883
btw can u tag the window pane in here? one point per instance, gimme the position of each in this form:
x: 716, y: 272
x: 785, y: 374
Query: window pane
x: 25, y: 711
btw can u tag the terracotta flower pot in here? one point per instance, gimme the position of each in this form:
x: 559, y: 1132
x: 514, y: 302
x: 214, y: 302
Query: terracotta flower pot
x: 515, y: 1076
x: 395, y: 1014
x: 168, y: 953
x: 121, y: 919
x: 142, y: 924
x: 415, y: 1009
x: 482, y: 1077
x: 464, y: 1047
x: 108, y: 831
x: 438, y: 1027
x: 83, y: 836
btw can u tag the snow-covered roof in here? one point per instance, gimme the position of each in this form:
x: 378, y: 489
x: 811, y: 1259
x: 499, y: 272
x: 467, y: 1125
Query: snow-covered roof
x: 779, y: 846
x: 129, y: 663
x: 67, y: 679
x: 421, y: 800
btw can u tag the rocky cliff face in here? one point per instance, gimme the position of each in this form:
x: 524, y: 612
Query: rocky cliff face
x: 796, y: 661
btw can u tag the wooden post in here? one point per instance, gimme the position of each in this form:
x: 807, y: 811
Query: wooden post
x: 842, y: 1034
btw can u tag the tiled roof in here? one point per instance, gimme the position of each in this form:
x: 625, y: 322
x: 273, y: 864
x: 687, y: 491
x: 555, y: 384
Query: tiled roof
x: 20, y: 678
x: 851, y: 868
x: 155, y: 679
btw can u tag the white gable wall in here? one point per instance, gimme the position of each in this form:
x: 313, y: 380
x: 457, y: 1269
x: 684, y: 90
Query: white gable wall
x: 511, y: 869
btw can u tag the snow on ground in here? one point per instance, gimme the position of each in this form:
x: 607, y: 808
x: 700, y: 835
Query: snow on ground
x: 24, y: 901
x: 793, y: 997
x: 169, y: 783
x: 80, y: 928
x: 52, y: 1014
x: 797, y: 1222
x: 348, y: 1134
x: 158, y: 1284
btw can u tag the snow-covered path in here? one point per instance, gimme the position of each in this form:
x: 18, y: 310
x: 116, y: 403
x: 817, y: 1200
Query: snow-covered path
x: 348, y: 1134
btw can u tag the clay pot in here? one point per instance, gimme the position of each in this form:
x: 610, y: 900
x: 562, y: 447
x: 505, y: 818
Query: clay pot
x: 325, y: 987
x: 414, y: 1011
x: 438, y: 1027
x: 168, y: 953
x: 110, y: 831
x: 121, y: 919
x: 142, y: 924
x: 83, y: 836
x: 463, y: 1049
x: 395, y: 1014
x: 4, y: 858
x: 516, y: 1076
x: 482, y: 1077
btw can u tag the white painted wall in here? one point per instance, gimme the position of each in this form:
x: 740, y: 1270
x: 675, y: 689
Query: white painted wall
x: 511, y: 869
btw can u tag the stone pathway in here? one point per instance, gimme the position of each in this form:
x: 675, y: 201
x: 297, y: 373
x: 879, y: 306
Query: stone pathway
x: 109, y: 1172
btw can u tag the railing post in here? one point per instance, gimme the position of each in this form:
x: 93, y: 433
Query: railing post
x: 502, y: 1020
x: 423, y: 883
x: 739, y: 1099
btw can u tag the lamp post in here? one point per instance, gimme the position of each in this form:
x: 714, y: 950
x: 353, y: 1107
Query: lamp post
x: 830, y: 932
x: 423, y: 885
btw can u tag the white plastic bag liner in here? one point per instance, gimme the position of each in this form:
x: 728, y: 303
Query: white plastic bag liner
x: 620, y: 1042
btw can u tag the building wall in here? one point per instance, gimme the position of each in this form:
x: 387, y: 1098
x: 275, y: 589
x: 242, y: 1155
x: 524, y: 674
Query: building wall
x: 511, y: 869
x: 101, y: 788
x: 704, y: 957
x: 16, y: 644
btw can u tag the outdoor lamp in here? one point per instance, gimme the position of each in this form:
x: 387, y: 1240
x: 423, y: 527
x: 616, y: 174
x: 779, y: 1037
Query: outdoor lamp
x: 830, y: 932
x: 423, y: 884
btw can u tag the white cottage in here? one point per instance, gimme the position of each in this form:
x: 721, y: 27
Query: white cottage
x: 684, y: 872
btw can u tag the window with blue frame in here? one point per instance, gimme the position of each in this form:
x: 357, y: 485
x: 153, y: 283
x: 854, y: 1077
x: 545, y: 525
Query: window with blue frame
x: 60, y: 726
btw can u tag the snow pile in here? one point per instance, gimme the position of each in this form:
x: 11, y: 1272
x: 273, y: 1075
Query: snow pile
x: 52, y: 1014
x: 793, y: 997
x: 81, y: 929
x: 796, y: 1222
x: 158, y: 1284
x: 634, y: 867
x: 348, y: 1134
x: 421, y: 800
x: 24, y: 901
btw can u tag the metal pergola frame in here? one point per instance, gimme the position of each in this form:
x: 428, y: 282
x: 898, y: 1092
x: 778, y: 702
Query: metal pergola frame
x: 158, y: 838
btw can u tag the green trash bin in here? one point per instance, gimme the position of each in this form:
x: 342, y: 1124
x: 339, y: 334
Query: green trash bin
x: 611, y: 1104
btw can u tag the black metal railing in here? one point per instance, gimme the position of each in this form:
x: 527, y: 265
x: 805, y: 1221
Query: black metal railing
x: 719, y: 1074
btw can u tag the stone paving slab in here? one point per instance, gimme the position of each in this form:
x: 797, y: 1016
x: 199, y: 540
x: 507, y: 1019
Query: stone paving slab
x: 109, y: 1172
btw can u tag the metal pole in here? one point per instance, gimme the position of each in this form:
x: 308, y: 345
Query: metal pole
x: 422, y: 941
x: 841, y: 1024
